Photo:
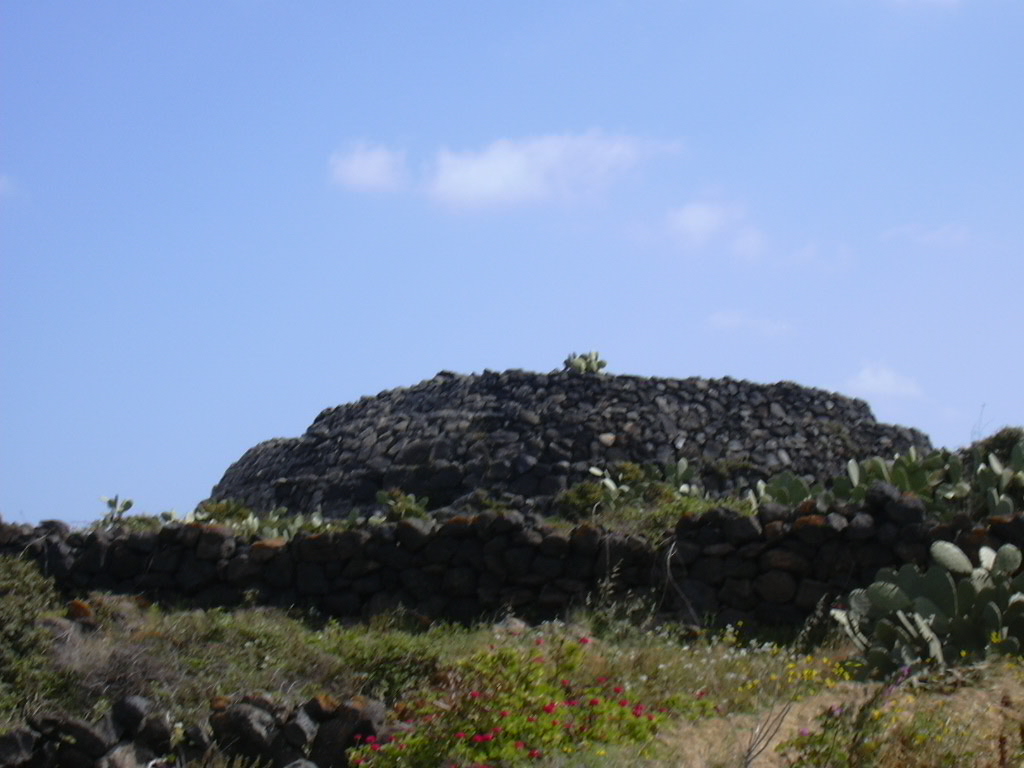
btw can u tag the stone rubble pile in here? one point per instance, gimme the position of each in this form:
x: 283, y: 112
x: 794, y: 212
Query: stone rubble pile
x: 135, y: 734
x: 525, y: 437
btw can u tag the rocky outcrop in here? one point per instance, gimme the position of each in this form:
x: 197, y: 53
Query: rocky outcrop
x: 253, y: 728
x: 524, y: 437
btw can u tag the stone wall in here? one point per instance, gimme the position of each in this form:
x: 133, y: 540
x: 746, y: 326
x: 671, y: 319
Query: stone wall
x: 770, y: 567
x: 524, y: 437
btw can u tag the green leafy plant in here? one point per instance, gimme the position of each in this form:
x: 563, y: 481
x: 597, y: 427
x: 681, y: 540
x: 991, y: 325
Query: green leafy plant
x: 589, y: 362
x: 951, y: 613
x: 399, y: 505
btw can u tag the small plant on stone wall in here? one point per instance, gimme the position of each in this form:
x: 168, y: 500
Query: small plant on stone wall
x: 277, y: 523
x: 399, y: 505
x: 116, y: 510
x: 589, y: 362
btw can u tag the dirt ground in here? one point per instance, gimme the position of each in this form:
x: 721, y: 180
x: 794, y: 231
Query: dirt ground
x: 722, y: 742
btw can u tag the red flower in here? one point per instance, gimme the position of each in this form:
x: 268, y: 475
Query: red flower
x: 549, y: 708
x: 618, y: 689
x: 504, y: 713
x: 475, y: 694
x: 595, y: 702
x: 584, y: 640
x: 535, y: 754
x: 460, y: 735
x: 520, y: 745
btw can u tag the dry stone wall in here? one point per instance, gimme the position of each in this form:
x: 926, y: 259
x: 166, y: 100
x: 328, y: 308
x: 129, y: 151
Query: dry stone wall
x: 524, y: 437
x: 770, y: 567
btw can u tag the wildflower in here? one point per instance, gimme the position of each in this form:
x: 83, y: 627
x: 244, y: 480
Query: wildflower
x: 584, y: 640
x: 475, y: 694
x: 536, y: 754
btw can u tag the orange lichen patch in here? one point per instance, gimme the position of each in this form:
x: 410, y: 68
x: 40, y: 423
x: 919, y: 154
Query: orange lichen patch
x: 322, y: 706
x: 219, y: 703
x: 266, y: 549
x: 810, y: 521
x: 808, y: 507
x: 79, y: 609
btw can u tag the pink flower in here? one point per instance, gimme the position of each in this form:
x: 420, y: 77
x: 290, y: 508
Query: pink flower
x: 504, y: 713
x: 520, y: 745
x: 475, y: 694
x: 595, y: 702
x: 584, y: 640
x: 535, y: 754
x: 549, y: 708
x: 618, y: 689
x: 602, y: 680
x: 460, y: 735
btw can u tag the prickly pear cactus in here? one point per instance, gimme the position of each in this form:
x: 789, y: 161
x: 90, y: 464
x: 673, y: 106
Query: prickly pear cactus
x: 952, y: 613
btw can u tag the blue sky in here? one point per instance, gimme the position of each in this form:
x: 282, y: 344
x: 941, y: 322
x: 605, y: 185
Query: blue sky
x: 217, y: 219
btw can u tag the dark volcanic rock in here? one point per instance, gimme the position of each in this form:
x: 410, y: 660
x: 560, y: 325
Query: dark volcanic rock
x: 522, y: 436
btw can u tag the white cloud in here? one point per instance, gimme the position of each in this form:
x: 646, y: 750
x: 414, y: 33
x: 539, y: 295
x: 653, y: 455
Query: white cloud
x: 511, y: 171
x: 369, y: 166
x: 749, y: 244
x: 697, y: 223
x: 876, y: 379
x: 731, y: 320
x: 945, y: 236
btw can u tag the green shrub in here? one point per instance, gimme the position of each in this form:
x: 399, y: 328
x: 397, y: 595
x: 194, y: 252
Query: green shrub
x: 26, y: 672
x: 515, y: 702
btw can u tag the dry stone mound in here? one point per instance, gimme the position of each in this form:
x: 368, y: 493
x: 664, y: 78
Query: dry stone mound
x: 523, y: 437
